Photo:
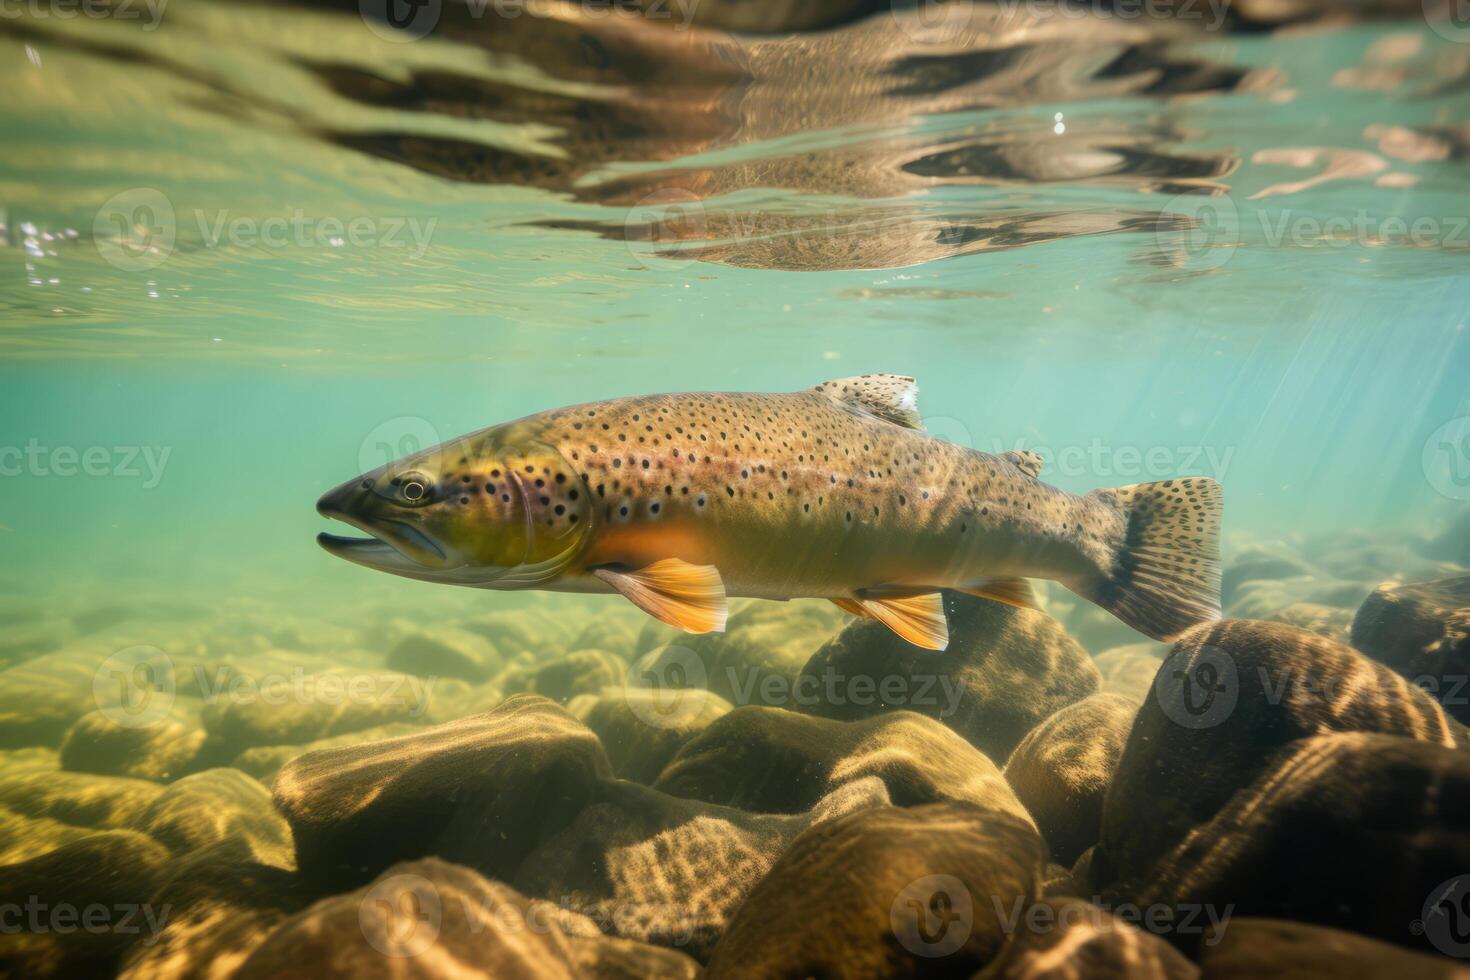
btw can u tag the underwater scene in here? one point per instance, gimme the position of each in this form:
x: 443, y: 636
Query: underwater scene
x: 664, y: 488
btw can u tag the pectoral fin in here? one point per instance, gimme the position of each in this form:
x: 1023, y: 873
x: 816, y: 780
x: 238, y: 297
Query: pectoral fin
x: 1012, y: 591
x: 918, y: 619
x: 690, y: 597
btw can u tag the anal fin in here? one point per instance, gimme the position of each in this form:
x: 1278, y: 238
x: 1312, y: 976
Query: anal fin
x: 689, y: 597
x: 919, y: 619
x: 1012, y: 591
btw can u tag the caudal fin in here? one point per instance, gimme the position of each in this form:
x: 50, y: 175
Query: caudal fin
x: 1164, y: 576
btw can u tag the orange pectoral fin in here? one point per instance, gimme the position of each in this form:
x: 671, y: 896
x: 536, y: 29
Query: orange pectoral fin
x: 918, y: 619
x: 690, y: 597
x: 1012, y: 591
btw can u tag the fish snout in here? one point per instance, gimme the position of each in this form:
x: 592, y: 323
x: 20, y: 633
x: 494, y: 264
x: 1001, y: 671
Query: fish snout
x: 346, y: 499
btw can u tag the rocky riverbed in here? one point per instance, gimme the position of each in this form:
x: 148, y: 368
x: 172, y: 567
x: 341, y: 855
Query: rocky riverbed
x: 472, y: 787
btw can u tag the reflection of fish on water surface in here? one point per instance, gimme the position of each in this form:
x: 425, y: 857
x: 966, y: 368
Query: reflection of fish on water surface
x: 836, y: 492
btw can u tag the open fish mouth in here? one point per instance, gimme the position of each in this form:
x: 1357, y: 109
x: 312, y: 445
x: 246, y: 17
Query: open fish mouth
x: 393, y: 547
x: 400, y: 548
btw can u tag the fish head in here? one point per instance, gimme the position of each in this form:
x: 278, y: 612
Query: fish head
x: 489, y: 510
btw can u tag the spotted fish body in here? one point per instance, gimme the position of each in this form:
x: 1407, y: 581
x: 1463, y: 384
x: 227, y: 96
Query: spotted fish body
x: 833, y: 492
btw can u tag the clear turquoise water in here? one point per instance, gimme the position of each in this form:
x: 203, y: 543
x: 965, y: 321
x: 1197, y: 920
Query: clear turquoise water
x: 263, y: 248
x: 1306, y: 373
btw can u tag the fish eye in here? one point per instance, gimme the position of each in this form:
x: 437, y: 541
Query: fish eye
x: 413, y: 488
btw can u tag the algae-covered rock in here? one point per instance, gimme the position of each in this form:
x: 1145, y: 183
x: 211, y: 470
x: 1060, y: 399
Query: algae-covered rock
x: 1332, y: 622
x: 1006, y: 670
x: 1266, y: 598
x: 219, y: 807
x: 1422, y: 631
x: 618, y: 636
x: 1063, y: 767
x: 428, y: 917
x: 43, y: 697
x: 516, y: 630
x: 161, y: 749
x: 642, y: 728
x: 563, y: 678
x: 758, y: 657
x: 1261, y: 564
x: 34, y: 787
x: 1068, y: 938
x: 264, y: 761
x: 303, y: 707
x: 1230, y: 695
x: 518, y: 773
x: 445, y: 651
x: 77, y: 907
x: 1355, y: 831
x: 1247, y: 948
x: 887, y: 892
x: 23, y: 838
x: 1128, y: 671
x: 219, y: 909
x: 664, y: 870
x: 769, y: 760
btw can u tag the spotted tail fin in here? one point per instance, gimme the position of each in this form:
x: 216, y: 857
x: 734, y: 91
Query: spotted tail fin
x: 1164, y: 576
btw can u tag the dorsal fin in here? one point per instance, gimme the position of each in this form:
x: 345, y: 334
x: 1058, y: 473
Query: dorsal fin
x: 1025, y: 460
x: 889, y: 396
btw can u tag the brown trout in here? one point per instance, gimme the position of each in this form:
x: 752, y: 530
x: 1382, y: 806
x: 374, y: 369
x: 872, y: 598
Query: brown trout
x: 678, y: 501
